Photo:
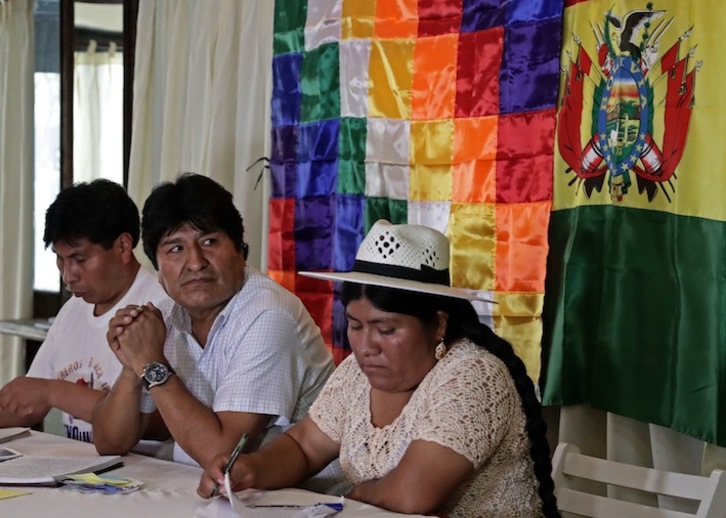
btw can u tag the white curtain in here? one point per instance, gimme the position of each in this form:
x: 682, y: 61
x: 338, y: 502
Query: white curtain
x: 202, y: 84
x: 16, y: 174
x: 98, y: 82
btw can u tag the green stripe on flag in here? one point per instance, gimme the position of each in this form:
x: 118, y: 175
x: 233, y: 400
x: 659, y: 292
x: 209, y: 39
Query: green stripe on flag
x: 635, y: 316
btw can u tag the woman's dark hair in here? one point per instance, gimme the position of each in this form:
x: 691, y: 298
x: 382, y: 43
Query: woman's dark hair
x: 194, y: 199
x: 99, y: 211
x: 464, y: 322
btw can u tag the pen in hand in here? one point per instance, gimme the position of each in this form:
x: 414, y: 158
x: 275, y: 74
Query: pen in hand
x: 232, y: 458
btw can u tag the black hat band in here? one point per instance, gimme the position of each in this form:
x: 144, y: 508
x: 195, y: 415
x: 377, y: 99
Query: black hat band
x: 425, y: 274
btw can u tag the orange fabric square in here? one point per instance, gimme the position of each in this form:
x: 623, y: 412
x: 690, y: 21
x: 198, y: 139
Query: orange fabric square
x: 475, y: 138
x: 434, y: 78
x: 474, y: 182
x: 521, y: 253
x: 397, y: 19
x: 283, y: 278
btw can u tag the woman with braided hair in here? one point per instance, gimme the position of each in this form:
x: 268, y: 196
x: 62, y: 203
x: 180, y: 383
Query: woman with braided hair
x: 432, y: 413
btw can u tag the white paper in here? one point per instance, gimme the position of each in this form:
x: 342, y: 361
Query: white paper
x: 38, y: 470
x: 13, y: 432
x: 294, y: 506
x: 9, y: 454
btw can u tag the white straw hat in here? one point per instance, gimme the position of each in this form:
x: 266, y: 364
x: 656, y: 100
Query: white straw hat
x: 406, y: 257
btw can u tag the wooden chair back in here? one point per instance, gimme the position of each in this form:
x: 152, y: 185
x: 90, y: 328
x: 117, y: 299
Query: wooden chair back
x: 572, y: 470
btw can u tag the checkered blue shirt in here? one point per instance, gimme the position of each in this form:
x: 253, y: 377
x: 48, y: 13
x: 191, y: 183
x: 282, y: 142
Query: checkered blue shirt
x: 264, y: 355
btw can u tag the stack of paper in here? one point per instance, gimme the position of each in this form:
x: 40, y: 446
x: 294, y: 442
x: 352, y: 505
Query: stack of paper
x: 13, y: 432
x: 46, y: 471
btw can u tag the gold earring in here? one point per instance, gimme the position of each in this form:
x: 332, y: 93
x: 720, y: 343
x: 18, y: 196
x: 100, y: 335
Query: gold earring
x: 440, y: 350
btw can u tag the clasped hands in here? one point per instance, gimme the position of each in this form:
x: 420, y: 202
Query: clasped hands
x: 136, y: 334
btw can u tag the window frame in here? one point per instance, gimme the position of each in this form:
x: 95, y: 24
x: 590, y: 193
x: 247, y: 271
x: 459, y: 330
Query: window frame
x: 47, y: 304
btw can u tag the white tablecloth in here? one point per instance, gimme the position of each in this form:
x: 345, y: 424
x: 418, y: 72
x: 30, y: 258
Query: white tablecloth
x: 169, y: 490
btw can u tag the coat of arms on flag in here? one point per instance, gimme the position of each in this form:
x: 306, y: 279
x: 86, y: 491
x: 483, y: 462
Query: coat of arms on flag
x: 633, y: 68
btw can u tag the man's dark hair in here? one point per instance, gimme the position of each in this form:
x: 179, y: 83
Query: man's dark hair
x: 194, y: 199
x: 99, y: 211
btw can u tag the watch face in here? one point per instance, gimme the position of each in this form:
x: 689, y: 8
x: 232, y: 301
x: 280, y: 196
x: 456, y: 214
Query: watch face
x: 156, y: 372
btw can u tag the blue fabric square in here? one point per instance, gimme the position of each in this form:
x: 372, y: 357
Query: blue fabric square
x: 349, y: 230
x: 316, y: 178
x: 286, y: 92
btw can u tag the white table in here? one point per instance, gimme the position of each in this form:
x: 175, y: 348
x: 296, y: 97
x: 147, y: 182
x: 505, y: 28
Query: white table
x: 169, y: 489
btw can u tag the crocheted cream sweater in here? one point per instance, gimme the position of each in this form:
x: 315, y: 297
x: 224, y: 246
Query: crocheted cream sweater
x: 468, y: 403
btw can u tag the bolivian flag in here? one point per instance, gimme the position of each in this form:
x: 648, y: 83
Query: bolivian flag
x: 635, y: 303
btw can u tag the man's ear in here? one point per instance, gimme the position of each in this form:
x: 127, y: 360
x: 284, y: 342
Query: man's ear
x: 125, y: 244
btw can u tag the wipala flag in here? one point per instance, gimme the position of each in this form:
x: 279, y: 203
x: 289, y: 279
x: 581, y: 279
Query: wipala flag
x: 635, y: 309
x: 432, y: 112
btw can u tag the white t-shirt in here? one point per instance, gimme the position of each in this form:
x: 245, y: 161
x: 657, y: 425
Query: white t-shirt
x: 76, y: 350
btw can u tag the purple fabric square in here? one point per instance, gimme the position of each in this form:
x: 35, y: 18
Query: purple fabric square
x: 283, y: 154
x: 519, y: 11
x: 313, y: 230
x: 529, y: 77
x: 483, y: 14
x: 283, y: 147
x: 283, y: 177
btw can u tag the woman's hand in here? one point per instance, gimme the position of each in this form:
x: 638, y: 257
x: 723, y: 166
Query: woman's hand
x: 213, y: 477
x: 286, y: 461
x: 241, y: 476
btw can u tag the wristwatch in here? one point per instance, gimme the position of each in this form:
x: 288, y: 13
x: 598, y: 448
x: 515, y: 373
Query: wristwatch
x: 155, y: 373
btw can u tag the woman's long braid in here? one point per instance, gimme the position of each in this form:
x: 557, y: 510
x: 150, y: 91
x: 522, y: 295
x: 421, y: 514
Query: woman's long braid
x: 536, y: 428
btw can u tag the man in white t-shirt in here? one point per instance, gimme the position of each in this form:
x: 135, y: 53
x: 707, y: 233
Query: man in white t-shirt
x: 92, y: 228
